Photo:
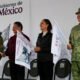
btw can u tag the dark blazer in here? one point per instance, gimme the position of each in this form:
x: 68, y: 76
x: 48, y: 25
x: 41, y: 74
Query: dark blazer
x: 45, y: 44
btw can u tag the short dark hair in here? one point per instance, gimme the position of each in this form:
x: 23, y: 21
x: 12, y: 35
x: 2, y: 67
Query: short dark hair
x: 19, y: 24
x: 47, y: 21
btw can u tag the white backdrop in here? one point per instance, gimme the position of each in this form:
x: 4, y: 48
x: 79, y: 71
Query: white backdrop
x: 63, y: 11
x: 23, y: 17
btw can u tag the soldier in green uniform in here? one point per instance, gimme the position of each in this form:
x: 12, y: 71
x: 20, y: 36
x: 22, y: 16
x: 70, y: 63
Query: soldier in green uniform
x: 74, y: 44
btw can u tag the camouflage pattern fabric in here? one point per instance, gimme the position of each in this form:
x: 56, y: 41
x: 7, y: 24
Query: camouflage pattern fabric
x: 76, y: 70
x: 75, y: 41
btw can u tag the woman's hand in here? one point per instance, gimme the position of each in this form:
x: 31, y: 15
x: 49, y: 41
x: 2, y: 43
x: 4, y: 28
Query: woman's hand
x: 69, y: 46
x: 37, y: 49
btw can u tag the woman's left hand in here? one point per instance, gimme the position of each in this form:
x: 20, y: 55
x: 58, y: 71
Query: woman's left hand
x: 37, y: 49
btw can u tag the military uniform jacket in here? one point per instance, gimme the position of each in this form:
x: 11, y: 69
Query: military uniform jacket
x: 75, y: 42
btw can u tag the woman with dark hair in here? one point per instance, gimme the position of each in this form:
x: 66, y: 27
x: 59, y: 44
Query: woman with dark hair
x: 43, y: 49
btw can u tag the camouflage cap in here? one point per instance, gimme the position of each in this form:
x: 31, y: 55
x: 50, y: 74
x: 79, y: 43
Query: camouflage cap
x: 78, y: 11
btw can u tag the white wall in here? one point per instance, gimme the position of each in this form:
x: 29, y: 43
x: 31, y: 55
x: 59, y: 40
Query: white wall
x: 63, y: 11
